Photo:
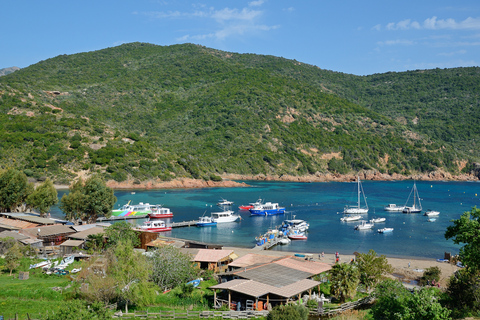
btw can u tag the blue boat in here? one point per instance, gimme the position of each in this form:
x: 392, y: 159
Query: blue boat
x: 267, y: 209
x: 206, y: 222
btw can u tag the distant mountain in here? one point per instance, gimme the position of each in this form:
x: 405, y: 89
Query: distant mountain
x: 6, y: 71
x: 143, y: 111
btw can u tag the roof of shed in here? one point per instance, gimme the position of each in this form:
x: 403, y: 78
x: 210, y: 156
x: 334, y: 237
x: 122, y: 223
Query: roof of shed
x: 12, y: 234
x: 85, y: 233
x: 209, y: 255
x: 72, y: 243
x: 252, y: 259
x: 16, y: 224
x: 274, y: 274
x: 47, y: 231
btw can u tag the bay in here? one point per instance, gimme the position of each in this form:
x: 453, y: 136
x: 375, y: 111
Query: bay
x: 320, y: 204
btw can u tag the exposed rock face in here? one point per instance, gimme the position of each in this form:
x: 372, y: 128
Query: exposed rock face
x: 183, y: 183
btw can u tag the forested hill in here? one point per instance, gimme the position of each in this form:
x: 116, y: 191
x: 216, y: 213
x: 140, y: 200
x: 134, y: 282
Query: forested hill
x: 144, y: 111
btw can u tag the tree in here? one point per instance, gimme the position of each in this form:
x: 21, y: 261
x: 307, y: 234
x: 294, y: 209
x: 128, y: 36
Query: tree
x: 463, y: 291
x: 466, y: 231
x: 131, y: 270
x: 344, y: 279
x: 288, y: 312
x: 14, y: 189
x: 44, y: 196
x: 121, y: 231
x: 171, y: 267
x: 372, y: 267
x: 89, y: 200
x: 394, y: 301
x: 13, y: 256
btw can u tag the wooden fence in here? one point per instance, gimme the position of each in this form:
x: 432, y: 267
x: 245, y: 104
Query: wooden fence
x: 195, y: 315
x: 328, y: 311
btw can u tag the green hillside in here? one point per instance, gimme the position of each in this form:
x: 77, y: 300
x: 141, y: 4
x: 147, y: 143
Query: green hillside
x: 145, y: 111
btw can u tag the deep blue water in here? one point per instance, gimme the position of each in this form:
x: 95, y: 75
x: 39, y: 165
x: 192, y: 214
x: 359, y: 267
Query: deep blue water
x: 319, y: 204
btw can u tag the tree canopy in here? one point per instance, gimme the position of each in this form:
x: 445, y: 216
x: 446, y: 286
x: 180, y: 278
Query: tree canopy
x: 88, y: 200
x: 44, y: 196
x: 344, y: 279
x: 14, y: 189
x: 372, y: 267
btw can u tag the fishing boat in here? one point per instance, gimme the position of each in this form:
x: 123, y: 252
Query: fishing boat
x: 267, y: 209
x: 154, y: 226
x: 377, y: 220
x: 364, y: 225
x: 298, y: 224
x: 224, y: 216
x: 251, y: 205
x: 431, y: 213
x: 224, y: 202
x: 160, y: 212
x: 385, y: 230
x: 358, y: 209
x: 351, y: 218
x: 206, y: 222
x: 393, y: 207
x: 417, y: 205
x: 141, y: 209
x: 297, y: 235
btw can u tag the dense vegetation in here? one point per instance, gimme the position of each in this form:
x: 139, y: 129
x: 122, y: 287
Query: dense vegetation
x: 143, y: 111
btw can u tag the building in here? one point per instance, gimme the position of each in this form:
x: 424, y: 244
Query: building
x: 214, y: 260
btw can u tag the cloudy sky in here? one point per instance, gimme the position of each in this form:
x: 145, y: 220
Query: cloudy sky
x: 356, y: 37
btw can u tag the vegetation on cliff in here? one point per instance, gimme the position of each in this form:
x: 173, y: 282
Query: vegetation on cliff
x: 143, y: 111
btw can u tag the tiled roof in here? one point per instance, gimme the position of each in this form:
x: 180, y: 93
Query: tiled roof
x: 251, y: 259
x: 85, y: 233
x: 208, y: 255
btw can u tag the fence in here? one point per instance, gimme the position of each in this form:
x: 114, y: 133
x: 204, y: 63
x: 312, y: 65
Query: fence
x: 195, y: 315
x: 344, y: 307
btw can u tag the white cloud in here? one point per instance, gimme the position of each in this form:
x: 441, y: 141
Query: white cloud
x: 235, y: 14
x: 402, y: 42
x: 449, y: 54
x: 434, y: 23
x: 256, y: 3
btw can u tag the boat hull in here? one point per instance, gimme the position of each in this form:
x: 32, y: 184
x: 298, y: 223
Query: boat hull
x: 157, y: 229
x: 206, y: 224
x: 297, y: 237
x: 355, y: 210
x: 266, y: 212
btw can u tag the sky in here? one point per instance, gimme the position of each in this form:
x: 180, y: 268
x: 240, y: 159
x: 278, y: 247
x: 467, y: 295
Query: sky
x: 354, y: 37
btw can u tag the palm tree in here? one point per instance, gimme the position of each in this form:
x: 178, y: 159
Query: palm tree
x: 344, y: 279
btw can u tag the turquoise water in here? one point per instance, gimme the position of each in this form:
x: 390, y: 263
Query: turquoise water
x: 320, y: 204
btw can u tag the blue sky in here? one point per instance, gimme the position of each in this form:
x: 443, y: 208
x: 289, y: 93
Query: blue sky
x: 356, y: 37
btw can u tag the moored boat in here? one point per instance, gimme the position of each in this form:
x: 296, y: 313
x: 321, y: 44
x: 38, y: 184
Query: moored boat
x: 267, y: 209
x: 351, y: 218
x: 431, y: 213
x: 358, y: 209
x: 154, y: 226
x: 141, y: 209
x: 385, y: 230
x: 224, y: 202
x: 206, y: 221
x: 393, y: 207
x: 251, y: 205
x: 297, y: 236
x: 377, y: 220
x: 416, y: 207
x: 224, y: 216
x: 298, y: 224
x: 364, y: 225
x: 160, y: 212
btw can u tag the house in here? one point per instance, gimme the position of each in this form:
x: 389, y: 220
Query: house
x: 215, y: 260
x: 69, y: 246
x: 274, y: 282
x: 50, y: 235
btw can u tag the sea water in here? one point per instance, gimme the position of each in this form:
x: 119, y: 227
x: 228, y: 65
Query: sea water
x: 321, y: 204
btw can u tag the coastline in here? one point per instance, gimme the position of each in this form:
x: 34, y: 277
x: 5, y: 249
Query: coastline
x: 230, y: 180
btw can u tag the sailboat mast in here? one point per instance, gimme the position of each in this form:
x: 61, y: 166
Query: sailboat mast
x: 358, y: 201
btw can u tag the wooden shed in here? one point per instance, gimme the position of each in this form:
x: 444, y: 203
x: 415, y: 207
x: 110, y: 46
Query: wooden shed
x: 215, y: 260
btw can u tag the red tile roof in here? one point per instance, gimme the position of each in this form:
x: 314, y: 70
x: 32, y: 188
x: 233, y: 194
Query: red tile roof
x: 209, y: 255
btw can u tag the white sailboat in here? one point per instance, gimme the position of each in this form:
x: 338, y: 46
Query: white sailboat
x: 357, y: 209
x: 417, y: 205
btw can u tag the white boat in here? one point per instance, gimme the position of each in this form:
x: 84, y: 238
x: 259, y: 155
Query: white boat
x: 378, y: 220
x: 431, y: 213
x: 364, y: 225
x: 298, y: 224
x: 224, y: 202
x: 393, y: 207
x: 206, y: 222
x: 154, y: 226
x: 224, y: 216
x: 417, y: 205
x: 385, y: 230
x: 284, y: 241
x: 350, y: 218
x: 266, y: 209
x: 297, y: 235
x: 432, y: 219
x: 358, y: 209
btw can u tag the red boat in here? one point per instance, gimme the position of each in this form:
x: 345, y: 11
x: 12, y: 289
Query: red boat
x: 251, y: 205
x: 297, y: 236
x: 159, y: 212
x: 155, y: 226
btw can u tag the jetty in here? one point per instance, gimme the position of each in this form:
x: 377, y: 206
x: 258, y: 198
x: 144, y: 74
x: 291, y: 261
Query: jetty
x: 184, y: 224
x: 268, y: 244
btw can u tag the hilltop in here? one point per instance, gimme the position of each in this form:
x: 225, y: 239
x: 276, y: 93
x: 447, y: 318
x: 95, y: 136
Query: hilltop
x: 141, y: 112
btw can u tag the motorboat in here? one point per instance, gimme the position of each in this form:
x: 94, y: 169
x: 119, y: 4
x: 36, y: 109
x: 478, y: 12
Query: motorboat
x: 154, y: 226
x: 206, y: 221
x: 358, y: 209
x: 417, y: 205
x: 297, y: 224
x: 393, y: 207
x: 224, y: 216
x: 364, y: 225
x: 251, y: 205
x: 432, y: 219
x: 378, y: 220
x: 351, y: 218
x: 267, y: 209
x: 297, y: 236
x: 431, y: 213
x: 131, y: 210
x: 160, y: 212
x: 224, y: 202
x: 284, y: 241
x: 385, y: 230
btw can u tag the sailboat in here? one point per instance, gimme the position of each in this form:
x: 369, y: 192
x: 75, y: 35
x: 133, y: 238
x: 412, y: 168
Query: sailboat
x: 357, y: 209
x: 417, y: 205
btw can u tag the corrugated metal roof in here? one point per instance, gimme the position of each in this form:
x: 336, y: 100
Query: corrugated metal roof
x: 17, y: 224
x: 38, y: 220
x: 83, y: 227
x: 311, y: 267
x: 85, y: 233
x: 295, y: 288
x: 208, y: 255
x: 47, y: 231
x: 14, y: 235
x: 273, y: 274
x: 72, y: 243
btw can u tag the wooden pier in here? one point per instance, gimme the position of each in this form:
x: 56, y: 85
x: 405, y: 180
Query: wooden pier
x: 184, y: 224
x: 268, y: 244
